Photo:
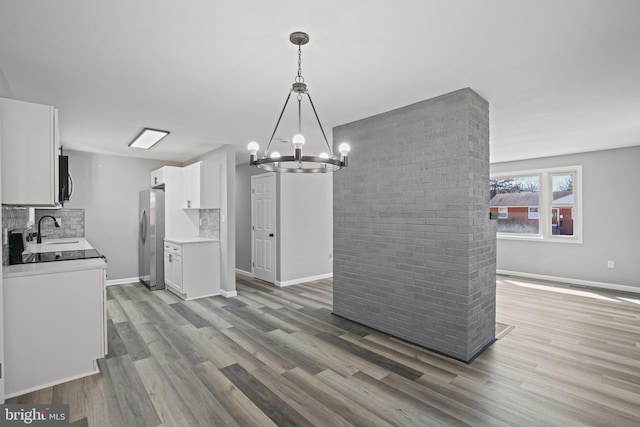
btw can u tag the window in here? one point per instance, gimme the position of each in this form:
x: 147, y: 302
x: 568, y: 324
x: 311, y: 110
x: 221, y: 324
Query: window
x: 539, y: 205
x: 513, y: 197
x: 562, y: 204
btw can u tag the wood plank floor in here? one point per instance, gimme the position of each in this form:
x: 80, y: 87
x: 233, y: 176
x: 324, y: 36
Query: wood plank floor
x: 277, y: 356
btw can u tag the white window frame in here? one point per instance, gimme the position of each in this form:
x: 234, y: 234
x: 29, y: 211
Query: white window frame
x: 545, y: 201
x: 503, y: 211
x: 537, y: 215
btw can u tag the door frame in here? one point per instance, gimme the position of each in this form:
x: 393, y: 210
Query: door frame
x: 275, y: 211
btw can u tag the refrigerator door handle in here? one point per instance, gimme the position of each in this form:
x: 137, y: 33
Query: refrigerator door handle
x: 143, y: 226
x: 70, y: 185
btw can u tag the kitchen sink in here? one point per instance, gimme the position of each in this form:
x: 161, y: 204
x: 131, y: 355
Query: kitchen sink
x: 61, y: 243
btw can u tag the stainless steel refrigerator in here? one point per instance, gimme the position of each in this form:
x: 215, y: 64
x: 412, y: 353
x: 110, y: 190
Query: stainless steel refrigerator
x: 151, y: 239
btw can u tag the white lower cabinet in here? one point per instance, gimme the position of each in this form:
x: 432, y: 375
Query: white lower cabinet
x: 173, y: 266
x: 55, y: 326
x: 192, y: 267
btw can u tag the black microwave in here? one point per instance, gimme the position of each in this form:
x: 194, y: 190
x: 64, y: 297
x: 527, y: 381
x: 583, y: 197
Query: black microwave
x: 65, y: 182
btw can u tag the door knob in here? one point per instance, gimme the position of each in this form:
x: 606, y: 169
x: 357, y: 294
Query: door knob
x: 270, y: 234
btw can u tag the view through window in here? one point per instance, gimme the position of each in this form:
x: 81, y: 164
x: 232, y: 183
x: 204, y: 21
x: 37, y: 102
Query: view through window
x: 516, y: 200
x: 541, y: 204
x: 562, y: 204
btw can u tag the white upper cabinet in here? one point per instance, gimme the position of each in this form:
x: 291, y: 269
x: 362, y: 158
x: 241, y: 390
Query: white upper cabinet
x: 201, y: 186
x: 157, y: 177
x: 30, y: 149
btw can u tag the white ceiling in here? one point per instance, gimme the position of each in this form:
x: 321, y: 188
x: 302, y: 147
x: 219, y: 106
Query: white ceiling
x: 560, y: 76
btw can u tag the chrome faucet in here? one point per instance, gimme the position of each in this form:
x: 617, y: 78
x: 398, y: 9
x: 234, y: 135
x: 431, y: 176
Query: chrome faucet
x: 40, y: 221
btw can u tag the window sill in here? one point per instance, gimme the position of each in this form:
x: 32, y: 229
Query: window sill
x: 539, y: 238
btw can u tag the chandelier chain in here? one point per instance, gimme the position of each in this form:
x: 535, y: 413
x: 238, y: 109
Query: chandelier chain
x: 299, y: 78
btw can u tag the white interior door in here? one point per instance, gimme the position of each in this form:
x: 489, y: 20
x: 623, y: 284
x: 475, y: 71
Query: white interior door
x: 263, y: 214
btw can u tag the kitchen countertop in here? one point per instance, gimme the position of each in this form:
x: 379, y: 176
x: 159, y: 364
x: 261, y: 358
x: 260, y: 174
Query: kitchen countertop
x: 55, y: 245
x: 181, y: 240
x: 37, y: 268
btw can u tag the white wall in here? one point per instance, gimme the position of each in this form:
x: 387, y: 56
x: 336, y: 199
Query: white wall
x: 305, y: 226
x: 225, y: 156
x: 107, y: 188
x: 611, y: 203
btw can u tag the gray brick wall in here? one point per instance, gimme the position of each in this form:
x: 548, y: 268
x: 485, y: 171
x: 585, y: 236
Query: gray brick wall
x: 414, y: 250
x: 72, y: 223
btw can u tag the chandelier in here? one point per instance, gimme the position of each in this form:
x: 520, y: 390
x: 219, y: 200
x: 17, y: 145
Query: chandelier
x: 298, y: 163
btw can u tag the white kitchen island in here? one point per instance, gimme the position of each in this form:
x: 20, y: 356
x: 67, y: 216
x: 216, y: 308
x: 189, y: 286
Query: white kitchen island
x: 54, y: 321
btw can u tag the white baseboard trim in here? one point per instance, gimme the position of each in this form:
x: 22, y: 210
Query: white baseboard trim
x: 580, y: 282
x: 303, y: 280
x: 245, y: 273
x: 122, y: 281
x: 228, y: 294
x: 51, y: 384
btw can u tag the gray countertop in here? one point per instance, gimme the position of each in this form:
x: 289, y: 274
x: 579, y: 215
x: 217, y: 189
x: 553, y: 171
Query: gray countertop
x: 55, y: 245
x: 37, y: 268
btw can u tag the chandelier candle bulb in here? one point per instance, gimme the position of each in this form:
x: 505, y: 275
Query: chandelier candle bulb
x: 253, y: 148
x: 298, y: 141
x: 344, y: 149
x: 298, y: 163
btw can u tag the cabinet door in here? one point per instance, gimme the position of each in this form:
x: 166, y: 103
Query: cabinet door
x: 201, y: 186
x: 30, y: 149
x: 196, y: 185
x: 157, y: 177
x: 177, y: 272
x: 210, y: 179
x: 191, y: 186
x: 168, y: 269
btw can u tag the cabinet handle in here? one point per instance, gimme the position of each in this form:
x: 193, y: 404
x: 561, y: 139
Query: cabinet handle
x: 155, y: 179
x: 170, y: 258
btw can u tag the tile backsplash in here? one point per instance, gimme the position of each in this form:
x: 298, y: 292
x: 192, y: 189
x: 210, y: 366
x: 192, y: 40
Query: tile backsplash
x: 210, y: 223
x: 12, y: 218
x: 18, y: 218
x: 72, y: 223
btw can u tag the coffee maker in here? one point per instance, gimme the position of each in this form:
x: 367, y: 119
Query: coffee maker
x: 18, y: 239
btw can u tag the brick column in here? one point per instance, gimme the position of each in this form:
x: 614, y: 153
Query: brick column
x: 414, y: 251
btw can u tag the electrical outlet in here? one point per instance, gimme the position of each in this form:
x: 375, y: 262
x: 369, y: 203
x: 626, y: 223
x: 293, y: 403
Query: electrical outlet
x: 610, y: 264
x: 59, y: 221
x: 200, y: 222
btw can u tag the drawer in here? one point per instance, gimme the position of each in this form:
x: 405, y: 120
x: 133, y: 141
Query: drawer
x: 173, y: 248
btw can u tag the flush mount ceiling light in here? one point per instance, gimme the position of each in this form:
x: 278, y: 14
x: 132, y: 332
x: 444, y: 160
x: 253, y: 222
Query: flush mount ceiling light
x: 148, y: 138
x: 274, y: 161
